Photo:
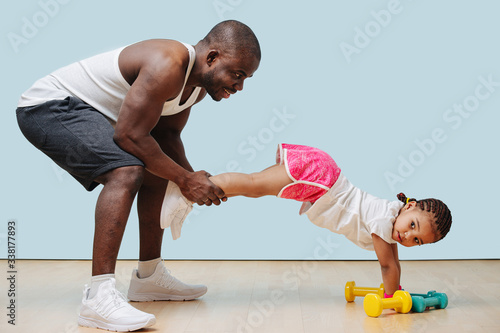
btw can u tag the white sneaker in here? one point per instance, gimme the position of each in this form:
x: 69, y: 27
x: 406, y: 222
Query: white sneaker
x: 174, y: 209
x: 162, y: 286
x: 109, y: 310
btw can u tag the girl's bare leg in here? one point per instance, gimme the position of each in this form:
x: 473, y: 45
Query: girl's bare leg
x: 267, y: 182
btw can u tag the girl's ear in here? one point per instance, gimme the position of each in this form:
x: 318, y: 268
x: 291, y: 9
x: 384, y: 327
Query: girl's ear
x: 410, y: 204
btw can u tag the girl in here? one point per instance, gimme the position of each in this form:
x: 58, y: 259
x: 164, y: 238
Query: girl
x: 330, y: 201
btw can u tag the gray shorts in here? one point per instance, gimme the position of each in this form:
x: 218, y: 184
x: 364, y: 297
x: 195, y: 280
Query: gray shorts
x: 76, y: 137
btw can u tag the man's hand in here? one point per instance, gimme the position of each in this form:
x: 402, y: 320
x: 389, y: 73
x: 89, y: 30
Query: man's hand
x: 198, y: 188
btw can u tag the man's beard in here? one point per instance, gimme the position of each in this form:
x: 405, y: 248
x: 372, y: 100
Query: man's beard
x: 208, y: 84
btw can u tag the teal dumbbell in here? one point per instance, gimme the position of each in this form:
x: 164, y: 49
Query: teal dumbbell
x: 432, y: 299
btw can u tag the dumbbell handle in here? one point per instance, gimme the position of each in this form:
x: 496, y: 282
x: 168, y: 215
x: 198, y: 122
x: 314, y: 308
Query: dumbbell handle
x: 429, y: 294
x: 431, y: 301
x: 426, y: 301
x: 392, y: 302
x: 362, y: 291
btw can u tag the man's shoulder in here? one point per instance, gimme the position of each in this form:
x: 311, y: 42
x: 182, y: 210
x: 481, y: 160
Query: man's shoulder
x: 160, y: 49
x: 163, y: 58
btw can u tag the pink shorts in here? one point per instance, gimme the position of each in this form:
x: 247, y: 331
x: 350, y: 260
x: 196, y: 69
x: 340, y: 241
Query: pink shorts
x: 312, y: 171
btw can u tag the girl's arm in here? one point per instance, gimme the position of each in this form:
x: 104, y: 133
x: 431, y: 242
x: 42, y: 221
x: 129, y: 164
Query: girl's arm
x: 396, y: 257
x: 389, y: 264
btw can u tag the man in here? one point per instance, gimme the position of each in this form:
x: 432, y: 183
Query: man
x: 115, y: 119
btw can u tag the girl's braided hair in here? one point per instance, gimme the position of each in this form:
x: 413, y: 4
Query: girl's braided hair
x: 442, y: 223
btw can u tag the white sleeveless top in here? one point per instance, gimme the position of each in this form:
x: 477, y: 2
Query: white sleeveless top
x: 98, y: 81
x: 347, y: 210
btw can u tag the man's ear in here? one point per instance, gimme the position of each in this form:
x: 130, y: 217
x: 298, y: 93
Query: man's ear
x: 212, y: 57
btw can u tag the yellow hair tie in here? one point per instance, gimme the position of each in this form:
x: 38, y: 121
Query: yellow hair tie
x: 407, y: 200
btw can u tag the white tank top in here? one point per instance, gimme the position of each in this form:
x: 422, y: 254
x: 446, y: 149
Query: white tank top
x: 98, y: 81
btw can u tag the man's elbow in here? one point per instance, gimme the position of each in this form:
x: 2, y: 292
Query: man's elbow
x: 125, y: 141
x: 167, y: 135
x: 119, y: 138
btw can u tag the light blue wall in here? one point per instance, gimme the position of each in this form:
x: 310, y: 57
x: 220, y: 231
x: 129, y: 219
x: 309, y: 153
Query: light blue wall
x: 370, y: 82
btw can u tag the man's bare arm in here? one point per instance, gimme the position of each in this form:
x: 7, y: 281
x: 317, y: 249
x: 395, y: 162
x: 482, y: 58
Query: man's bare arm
x: 160, y: 78
x: 168, y: 134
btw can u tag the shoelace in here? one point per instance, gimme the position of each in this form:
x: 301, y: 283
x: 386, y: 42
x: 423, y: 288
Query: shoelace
x: 111, y: 303
x: 179, y: 211
x: 166, y: 280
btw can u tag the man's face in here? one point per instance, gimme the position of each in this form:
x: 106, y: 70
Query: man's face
x: 227, y: 73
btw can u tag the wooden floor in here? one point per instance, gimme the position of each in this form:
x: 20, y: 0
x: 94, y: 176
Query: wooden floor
x: 266, y: 296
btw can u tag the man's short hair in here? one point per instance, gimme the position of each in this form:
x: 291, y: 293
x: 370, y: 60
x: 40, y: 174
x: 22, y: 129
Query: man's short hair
x: 234, y: 37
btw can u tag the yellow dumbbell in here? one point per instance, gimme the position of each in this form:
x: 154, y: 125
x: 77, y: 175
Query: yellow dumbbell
x: 374, y: 304
x: 351, y: 291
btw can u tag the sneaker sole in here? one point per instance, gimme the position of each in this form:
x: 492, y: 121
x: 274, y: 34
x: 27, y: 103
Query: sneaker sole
x: 92, y: 323
x: 162, y: 297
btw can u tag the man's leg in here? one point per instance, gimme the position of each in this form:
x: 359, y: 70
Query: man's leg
x: 111, y: 215
x: 80, y: 139
x: 102, y: 305
x: 149, y: 201
x: 152, y: 281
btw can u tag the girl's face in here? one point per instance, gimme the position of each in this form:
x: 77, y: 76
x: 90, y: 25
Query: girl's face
x: 413, y: 226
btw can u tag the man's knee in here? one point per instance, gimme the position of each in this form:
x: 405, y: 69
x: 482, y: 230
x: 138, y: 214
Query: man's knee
x: 130, y: 177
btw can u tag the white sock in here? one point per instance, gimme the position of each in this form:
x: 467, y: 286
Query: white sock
x: 96, y: 281
x: 147, y: 268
